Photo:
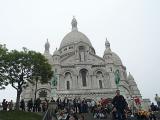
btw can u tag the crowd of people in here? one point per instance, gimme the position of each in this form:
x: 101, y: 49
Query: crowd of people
x: 115, y: 109
x: 68, y: 109
x: 7, y: 105
x: 30, y: 106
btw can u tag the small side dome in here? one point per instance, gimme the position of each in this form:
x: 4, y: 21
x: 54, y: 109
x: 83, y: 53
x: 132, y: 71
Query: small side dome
x: 56, y: 53
x: 108, y: 49
x: 130, y: 77
x: 115, y: 58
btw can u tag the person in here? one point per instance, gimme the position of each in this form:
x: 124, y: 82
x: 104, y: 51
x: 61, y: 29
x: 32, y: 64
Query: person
x: 65, y: 102
x: 119, y: 106
x: 75, y: 104
x: 59, y: 103
x: 30, y: 105
x: 38, y: 104
x: 157, y: 99
x: 44, y: 106
x: 93, y: 105
x: 3, y: 104
x: 79, y: 105
x: 47, y: 103
x: 52, y: 100
x: 10, y: 105
x: 22, y: 105
x: 152, y: 112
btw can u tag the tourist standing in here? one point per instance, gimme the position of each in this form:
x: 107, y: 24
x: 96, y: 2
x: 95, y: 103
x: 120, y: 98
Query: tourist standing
x: 10, y: 105
x: 22, y: 105
x: 52, y: 100
x: 79, y: 105
x: 75, y: 104
x: 59, y: 103
x: 30, y: 105
x: 157, y: 99
x: 47, y: 103
x: 3, y: 104
x: 38, y: 104
x: 93, y: 105
x: 65, y: 102
x: 44, y: 106
x: 119, y: 106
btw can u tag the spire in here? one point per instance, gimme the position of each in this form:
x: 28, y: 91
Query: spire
x: 107, y: 44
x: 74, y: 24
x: 47, y: 46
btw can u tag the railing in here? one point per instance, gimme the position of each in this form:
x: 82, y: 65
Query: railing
x: 50, y: 113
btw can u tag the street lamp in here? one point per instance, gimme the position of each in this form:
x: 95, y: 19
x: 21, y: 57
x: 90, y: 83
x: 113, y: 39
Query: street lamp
x: 35, y: 93
x: 132, y: 100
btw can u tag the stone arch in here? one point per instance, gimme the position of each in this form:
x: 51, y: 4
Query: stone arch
x: 99, y: 70
x: 99, y: 74
x: 72, y: 71
x: 83, y: 73
x: 102, y: 78
x: 68, y: 80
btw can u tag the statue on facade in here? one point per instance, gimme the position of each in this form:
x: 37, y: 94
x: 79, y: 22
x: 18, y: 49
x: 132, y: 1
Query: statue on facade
x: 157, y: 99
x: 117, y: 77
x: 54, y: 80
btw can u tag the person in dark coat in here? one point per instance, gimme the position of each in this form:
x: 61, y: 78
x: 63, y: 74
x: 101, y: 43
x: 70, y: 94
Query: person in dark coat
x: 59, y: 103
x: 75, y: 104
x: 119, y: 106
x: 65, y: 102
x: 152, y: 112
x: 22, y: 105
x: 3, y: 104
x: 30, y: 105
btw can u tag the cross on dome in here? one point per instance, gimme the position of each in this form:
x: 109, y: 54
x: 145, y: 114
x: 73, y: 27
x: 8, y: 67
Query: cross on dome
x: 74, y: 24
x: 47, y: 46
x: 107, y: 44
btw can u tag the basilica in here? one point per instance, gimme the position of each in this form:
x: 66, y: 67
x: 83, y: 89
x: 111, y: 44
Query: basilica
x: 79, y: 72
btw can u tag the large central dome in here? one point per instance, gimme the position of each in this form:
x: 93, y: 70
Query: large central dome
x: 74, y: 36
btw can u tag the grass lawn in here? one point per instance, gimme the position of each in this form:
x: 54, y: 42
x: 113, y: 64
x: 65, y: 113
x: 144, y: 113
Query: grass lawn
x: 19, y: 115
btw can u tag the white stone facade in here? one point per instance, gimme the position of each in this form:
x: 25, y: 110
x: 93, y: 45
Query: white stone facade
x: 82, y: 73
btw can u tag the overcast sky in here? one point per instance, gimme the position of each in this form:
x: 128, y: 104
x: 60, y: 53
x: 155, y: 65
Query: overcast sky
x: 131, y: 26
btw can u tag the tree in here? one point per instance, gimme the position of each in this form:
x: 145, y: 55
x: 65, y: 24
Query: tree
x: 3, y: 82
x: 25, y: 66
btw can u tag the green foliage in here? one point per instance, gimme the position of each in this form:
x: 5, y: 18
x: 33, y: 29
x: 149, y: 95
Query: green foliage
x: 21, y: 67
x: 3, y: 82
x: 25, y: 66
x: 19, y: 115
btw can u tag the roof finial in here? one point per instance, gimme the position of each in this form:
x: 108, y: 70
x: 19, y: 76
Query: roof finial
x: 74, y: 24
x: 107, y: 44
x: 47, y: 46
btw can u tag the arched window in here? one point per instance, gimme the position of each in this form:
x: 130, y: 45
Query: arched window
x: 68, y: 85
x: 99, y: 74
x: 100, y: 84
x: 68, y: 75
x: 81, y: 53
x: 68, y: 79
x: 83, y: 73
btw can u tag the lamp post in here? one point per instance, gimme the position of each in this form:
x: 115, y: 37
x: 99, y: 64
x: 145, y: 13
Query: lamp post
x: 36, y: 82
x: 132, y: 100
